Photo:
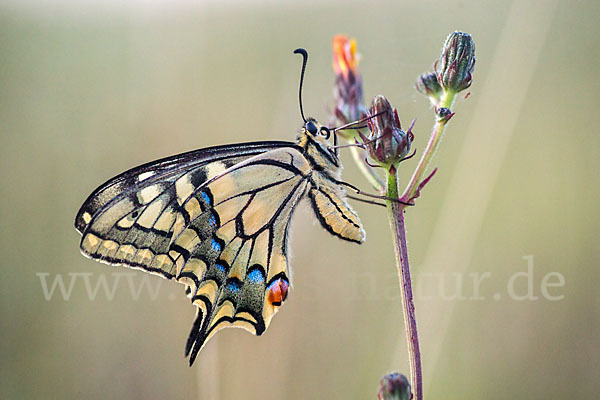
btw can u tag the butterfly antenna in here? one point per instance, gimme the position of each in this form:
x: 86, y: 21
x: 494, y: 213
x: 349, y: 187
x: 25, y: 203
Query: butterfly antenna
x: 350, y: 124
x: 304, y: 61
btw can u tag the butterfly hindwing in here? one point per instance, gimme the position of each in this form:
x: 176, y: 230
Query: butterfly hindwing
x: 237, y: 276
x: 335, y: 214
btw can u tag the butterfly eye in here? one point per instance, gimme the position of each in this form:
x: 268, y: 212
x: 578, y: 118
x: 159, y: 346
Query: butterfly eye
x: 325, y: 132
x: 311, y: 127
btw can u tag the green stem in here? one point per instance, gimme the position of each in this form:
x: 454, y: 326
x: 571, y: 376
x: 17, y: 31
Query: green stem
x: 409, y: 193
x: 396, y: 218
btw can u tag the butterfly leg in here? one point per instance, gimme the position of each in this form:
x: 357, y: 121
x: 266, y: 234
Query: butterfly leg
x: 375, y: 196
x: 356, y: 144
x: 366, y: 201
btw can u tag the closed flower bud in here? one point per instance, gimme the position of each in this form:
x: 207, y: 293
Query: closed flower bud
x: 387, y: 144
x: 428, y: 85
x: 394, y: 386
x: 455, y: 66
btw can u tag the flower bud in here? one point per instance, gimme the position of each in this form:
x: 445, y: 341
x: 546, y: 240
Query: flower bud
x: 428, y: 85
x: 347, y: 91
x: 455, y: 66
x: 387, y: 144
x: 394, y: 386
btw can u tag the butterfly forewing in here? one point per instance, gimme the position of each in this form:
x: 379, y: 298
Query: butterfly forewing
x: 135, y: 179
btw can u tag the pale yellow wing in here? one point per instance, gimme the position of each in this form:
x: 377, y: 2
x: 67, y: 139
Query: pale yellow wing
x: 221, y: 229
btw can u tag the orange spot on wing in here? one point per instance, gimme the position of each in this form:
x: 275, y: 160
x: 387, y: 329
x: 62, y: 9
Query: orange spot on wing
x: 277, y: 292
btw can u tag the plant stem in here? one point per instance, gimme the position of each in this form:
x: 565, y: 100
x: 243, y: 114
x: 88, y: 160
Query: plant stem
x: 409, y: 193
x: 396, y: 217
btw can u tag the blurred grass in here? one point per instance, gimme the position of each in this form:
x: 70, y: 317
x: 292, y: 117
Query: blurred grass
x: 89, y: 92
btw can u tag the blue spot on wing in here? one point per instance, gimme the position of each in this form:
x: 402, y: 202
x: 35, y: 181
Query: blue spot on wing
x: 221, y: 267
x: 206, y: 198
x: 233, y: 286
x: 256, y: 276
x: 216, y: 246
x: 212, y: 221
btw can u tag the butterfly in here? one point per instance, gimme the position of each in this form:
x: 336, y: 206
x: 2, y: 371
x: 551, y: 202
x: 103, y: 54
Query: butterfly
x: 217, y: 220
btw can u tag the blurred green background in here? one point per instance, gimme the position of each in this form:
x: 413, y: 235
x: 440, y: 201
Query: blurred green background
x: 89, y: 89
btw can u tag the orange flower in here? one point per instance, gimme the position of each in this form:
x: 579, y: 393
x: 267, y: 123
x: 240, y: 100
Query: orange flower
x: 345, y: 58
x: 347, y: 90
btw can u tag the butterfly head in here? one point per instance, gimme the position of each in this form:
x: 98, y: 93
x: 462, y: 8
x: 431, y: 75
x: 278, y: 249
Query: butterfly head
x: 314, y: 139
